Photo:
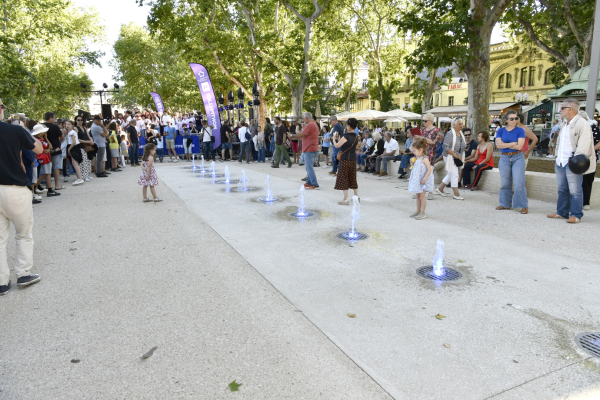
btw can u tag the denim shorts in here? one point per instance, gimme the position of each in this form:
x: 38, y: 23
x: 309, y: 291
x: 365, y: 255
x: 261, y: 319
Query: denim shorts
x: 57, y: 161
x: 226, y: 146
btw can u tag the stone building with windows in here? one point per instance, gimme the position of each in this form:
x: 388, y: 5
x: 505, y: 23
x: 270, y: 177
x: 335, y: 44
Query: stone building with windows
x: 516, y: 70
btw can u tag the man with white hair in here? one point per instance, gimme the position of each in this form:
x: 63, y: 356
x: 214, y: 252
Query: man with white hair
x: 15, y: 202
x: 310, y: 148
x: 575, y: 138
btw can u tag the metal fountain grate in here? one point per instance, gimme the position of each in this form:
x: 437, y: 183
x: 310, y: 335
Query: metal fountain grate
x: 306, y: 214
x: 346, y: 236
x: 589, y: 342
x: 264, y: 199
x: 449, y: 274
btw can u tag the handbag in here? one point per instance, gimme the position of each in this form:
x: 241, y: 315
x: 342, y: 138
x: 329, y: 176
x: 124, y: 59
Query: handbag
x: 339, y: 155
x: 458, y: 162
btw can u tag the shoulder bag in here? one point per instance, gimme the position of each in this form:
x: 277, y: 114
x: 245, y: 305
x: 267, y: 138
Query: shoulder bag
x: 339, y: 156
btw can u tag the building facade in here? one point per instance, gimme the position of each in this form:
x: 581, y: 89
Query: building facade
x: 514, y: 69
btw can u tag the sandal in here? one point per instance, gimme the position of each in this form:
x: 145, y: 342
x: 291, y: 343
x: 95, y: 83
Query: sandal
x: 502, y: 208
x: 147, y: 200
x: 474, y: 188
x: 524, y: 210
x: 157, y: 200
x: 344, y: 203
x: 59, y: 187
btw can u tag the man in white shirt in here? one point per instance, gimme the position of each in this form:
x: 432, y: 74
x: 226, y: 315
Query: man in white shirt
x: 575, y: 138
x: 244, y: 143
x: 207, y: 140
x: 390, y: 148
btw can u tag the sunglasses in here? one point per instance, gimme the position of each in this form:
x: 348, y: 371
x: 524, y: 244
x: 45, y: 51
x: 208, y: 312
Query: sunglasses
x: 469, y: 135
x: 512, y: 119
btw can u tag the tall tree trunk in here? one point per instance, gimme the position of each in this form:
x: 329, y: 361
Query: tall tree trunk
x: 426, y: 103
x: 350, y: 84
x: 478, y: 71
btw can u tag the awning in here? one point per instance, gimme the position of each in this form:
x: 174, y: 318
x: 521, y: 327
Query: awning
x: 536, y: 112
x: 494, y: 109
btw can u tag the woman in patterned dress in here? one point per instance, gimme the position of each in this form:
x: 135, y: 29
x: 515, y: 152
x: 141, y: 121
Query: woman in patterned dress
x: 430, y: 132
x: 346, y: 175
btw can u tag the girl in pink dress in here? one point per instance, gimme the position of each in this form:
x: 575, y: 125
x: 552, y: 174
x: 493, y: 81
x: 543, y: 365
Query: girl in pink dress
x: 148, y: 175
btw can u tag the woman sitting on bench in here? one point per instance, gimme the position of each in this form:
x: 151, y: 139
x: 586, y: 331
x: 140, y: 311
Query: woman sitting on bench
x: 484, y: 157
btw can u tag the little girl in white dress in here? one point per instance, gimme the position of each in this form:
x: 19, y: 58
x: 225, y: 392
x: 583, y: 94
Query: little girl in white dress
x: 421, y: 177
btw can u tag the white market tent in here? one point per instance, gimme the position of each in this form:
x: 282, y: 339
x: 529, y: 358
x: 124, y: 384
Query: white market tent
x: 366, y: 115
x: 395, y: 119
x: 404, y: 114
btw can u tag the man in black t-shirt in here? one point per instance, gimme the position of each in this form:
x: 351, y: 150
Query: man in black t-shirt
x: 15, y: 202
x: 199, y: 121
x: 55, y: 136
x: 226, y: 143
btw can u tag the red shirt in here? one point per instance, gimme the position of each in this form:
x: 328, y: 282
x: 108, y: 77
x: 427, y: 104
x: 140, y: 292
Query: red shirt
x: 310, y: 140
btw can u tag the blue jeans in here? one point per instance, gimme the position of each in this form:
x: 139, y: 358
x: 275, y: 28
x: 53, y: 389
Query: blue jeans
x: 208, y: 148
x: 134, y: 153
x: 334, y: 160
x: 361, y: 159
x: 261, y: 154
x: 570, y: 192
x: 272, y: 149
x: 404, y: 163
x: 159, y: 152
x: 244, y: 146
x: 309, y: 160
x: 512, y: 172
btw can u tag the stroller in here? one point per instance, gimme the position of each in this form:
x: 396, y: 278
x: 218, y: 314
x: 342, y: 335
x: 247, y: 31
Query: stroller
x: 542, y: 148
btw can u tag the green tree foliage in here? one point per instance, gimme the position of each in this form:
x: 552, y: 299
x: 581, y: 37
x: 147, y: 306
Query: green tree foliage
x: 44, y: 46
x: 145, y: 65
x: 383, y: 48
x: 562, y: 28
x: 456, y: 32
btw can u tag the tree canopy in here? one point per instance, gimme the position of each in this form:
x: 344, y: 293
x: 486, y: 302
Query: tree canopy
x: 44, y: 47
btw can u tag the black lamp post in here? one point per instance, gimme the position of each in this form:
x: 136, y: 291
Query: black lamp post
x: 230, y: 107
x: 240, y: 106
x: 100, y: 92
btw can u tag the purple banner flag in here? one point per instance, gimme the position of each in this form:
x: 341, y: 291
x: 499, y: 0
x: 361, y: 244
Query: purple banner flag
x: 160, y: 107
x: 210, y: 101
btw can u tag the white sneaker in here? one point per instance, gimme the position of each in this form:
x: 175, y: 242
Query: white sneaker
x: 170, y: 160
x: 87, y: 179
x: 176, y: 160
x: 458, y: 198
x: 37, y: 197
x: 437, y: 191
x: 78, y: 182
x: 586, y: 208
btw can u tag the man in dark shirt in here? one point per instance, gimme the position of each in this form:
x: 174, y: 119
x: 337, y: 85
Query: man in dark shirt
x: 55, y: 136
x: 280, y: 138
x: 226, y: 144
x: 134, y: 144
x: 15, y: 202
x: 199, y: 121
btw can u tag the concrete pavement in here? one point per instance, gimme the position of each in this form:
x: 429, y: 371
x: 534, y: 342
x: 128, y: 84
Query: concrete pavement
x: 120, y: 277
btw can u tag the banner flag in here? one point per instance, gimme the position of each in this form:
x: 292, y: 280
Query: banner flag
x: 160, y: 107
x: 210, y: 101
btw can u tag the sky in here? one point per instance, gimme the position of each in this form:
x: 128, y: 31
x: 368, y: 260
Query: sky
x: 115, y: 13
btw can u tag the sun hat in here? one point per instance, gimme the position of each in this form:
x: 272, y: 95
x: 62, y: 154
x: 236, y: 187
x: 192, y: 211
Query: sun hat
x: 39, y: 128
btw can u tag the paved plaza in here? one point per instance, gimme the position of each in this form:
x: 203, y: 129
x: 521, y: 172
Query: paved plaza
x: 228, y: 287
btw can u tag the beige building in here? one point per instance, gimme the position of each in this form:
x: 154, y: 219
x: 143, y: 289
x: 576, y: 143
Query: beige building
x: 514, y: 69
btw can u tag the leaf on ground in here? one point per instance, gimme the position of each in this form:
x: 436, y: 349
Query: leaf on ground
x: 73, y: 241
x: 74, y: 361
x: 439, y: 316
x: 446, y: 345
x: 149, y: 353
x: 460, y: 261
x: 351, y: 315
x: 72, y: 249
x: 234, y: 386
